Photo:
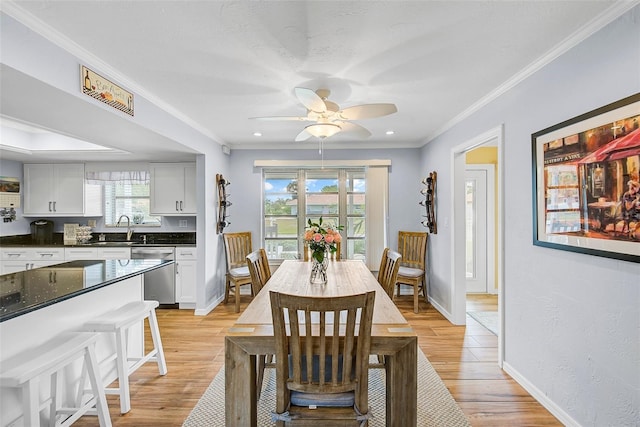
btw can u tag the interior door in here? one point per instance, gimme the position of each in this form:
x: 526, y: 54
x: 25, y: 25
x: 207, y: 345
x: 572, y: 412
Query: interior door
x: 476, y: 230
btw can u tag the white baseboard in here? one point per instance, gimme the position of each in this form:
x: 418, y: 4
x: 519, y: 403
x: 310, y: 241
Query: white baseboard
x: 209, y: 308
x: 441, y: 309
x: 542, y: 398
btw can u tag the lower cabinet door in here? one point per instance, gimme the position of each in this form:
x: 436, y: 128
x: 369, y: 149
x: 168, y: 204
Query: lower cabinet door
x: 186, y: 281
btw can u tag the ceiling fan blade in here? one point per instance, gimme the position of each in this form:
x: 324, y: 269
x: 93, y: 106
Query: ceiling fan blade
x: 281, y: 118
x: 310, y: 100
x: 367, y: 111
x: 355, y: 129
x: 303, y: 136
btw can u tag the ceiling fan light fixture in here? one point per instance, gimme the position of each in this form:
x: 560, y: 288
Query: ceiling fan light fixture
x: 323, y: 130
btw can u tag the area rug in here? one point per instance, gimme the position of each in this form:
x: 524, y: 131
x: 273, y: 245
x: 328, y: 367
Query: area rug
x: 436, y: 406
x: 488, y: 319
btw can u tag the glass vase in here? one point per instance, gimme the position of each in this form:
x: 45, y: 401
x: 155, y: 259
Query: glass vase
x: 319, y: 268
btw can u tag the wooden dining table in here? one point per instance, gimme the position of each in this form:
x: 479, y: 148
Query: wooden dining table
x: 252, y: 335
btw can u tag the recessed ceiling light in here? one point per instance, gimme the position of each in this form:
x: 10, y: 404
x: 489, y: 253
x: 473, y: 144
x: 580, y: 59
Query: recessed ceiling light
x: 390, y: 132
x: 257, y: 134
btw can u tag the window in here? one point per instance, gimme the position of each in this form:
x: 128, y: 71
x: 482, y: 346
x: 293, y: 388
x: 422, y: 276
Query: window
x: 131, y: 200
x: 292, y: 197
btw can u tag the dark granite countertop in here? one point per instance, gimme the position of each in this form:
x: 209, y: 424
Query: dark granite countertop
x: 30, y: 290
x: 111, y: 239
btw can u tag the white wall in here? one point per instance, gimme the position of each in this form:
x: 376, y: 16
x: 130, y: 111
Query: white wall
x: 32, y: 54
x: 404, y: 186
x: 572, y: 321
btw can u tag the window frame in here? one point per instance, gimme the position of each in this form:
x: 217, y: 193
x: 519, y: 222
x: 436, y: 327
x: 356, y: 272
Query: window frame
x: 111, y: 212
x: 302, y: 216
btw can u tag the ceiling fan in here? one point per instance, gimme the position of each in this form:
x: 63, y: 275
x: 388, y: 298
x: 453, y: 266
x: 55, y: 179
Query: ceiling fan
x: 329, y: 118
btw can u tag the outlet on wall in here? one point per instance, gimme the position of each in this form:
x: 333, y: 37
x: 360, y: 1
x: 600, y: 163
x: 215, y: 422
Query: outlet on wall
x: 182, y: 223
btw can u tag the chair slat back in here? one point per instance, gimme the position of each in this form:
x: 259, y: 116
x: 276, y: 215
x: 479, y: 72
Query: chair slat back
x: 412, y: 245
x: 322, y: 329
x: 258, y: 269
x: 388, y: 271
x: 237, y: 246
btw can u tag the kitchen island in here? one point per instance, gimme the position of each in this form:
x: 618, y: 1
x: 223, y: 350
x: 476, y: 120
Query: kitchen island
x: 38, y: 304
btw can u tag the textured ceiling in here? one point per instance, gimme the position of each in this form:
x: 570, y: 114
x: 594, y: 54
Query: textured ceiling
x: 215, y: 64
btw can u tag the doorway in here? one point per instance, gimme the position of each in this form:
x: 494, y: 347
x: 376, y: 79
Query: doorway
x: 479, y: 228
x: 493, y: 137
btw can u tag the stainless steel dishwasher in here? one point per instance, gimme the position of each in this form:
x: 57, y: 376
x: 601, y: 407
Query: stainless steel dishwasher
x: 159, y: 284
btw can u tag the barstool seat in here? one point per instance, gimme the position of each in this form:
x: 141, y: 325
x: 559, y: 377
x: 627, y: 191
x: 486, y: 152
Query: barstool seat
x: 25, y: 369
x: 118, y: 322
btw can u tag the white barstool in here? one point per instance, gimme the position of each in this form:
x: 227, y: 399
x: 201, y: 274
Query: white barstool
x: 25, y: 370
x: 118, y: 322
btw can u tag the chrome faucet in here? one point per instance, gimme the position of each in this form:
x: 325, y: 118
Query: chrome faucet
x: 129, y: 229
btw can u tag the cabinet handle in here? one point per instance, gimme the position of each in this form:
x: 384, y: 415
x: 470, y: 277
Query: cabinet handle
x: 177, y: 206
x: 55, y: 277
x: 49, y: 206
x: 50, y: 277
x: 54, y: 206
x: 26, y: 266
x: 181, y: 205
x: 44, y: 255
x: 177, y: 269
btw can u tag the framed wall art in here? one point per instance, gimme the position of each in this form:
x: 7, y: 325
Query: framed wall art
x: 586, y: 183
x: 97, y: 87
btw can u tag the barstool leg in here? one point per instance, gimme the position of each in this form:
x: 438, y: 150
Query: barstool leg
x: 91, y: 361
x: 55, y: 403
x: 122, y: 363
x: 31, y: 402
x: 157, y: 342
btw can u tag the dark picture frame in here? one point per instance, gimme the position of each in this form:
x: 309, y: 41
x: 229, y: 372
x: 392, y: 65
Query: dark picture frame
x: 586, y: 183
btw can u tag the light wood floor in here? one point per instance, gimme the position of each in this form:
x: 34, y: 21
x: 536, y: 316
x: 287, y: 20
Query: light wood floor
x: 464, y: 357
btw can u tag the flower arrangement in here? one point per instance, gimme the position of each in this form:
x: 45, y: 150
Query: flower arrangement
x: 322, y: 238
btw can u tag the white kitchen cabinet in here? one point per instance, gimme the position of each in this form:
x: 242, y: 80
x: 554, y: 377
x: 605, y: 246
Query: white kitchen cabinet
x: 25, y: 258
x: 59, y: 190
x: 96, y: 253
x: 114, y: 253
x: 173, y: 189
x: 186, y: 276
x: 72, y: 254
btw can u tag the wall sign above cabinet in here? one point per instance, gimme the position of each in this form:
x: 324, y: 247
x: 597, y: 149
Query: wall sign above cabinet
x: 97, y: 87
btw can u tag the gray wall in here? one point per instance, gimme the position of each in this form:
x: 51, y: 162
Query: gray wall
x: 572, y: 321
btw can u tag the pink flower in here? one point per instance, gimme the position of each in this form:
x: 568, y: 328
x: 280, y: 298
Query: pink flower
x: 317, y: 237
x: 328, y: 238
x: 308, y: 235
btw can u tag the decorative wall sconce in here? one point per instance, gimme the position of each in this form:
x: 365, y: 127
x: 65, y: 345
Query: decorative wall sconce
x: 223, y: 203
x: 429, y: 202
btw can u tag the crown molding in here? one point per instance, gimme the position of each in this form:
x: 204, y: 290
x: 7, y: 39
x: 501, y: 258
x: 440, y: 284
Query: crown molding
x: 593, y: 26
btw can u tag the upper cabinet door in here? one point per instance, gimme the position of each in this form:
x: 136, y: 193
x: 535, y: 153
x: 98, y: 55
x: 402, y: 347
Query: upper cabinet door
x: 69, y: 182
x: 190, y: 203
x: 54, y: 189
x: 173, y: 189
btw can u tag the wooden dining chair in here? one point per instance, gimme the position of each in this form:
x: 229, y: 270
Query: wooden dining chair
x: 237, y: 246
x: 322, y: 368
x: 332, y: 255
x: 387, y: 278
x: 412, y: 245
x: 260, y: 273
x: 388, y: 271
